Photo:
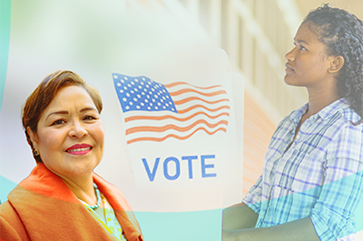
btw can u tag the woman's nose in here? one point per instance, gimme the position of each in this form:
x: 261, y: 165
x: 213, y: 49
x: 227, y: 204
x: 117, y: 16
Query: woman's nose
x: 77, y: 130
x: 290, y: 56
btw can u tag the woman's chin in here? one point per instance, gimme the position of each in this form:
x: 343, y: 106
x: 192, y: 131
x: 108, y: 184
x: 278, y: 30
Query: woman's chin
x: 288, y: 80
x: 291, y: 81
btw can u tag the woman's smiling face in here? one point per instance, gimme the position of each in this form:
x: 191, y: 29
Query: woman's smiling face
x: 70, y: 134
x: 307, y: 64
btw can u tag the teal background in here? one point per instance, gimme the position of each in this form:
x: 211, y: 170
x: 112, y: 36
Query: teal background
x: 198, y: 225
x: 5, y: 187
x: 5, y: 11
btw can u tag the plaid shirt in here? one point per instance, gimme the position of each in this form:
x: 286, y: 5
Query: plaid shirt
x: 320, y: 176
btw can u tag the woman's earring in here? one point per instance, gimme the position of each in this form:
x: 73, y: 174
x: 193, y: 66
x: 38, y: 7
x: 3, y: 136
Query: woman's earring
x: 36, y: 152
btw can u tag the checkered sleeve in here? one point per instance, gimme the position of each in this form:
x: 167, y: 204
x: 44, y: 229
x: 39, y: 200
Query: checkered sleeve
x: 253, y: 197
x: 333, y: 214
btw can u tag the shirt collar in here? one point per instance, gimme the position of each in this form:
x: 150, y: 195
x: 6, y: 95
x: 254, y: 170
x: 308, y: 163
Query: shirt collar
x: 297, y: 114
x: 336, y: 106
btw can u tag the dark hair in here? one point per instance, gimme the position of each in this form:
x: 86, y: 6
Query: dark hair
x: 41, y: 97
x: 342, y: 33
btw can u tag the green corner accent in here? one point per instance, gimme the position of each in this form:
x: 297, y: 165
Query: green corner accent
x: 359, y: 216
x: 5, y: 12
x: 5, y: 187
x: 193, y: 225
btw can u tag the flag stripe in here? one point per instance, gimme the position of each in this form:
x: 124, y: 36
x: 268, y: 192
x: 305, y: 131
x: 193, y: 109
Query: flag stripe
x: 182, y: 91
x: 171, y: 131
x: 144, y: 117
x: 185, y: 83
x: 203, y: 107
x: 185, y: 100
x: 172, y: 127
x: 175, y: 136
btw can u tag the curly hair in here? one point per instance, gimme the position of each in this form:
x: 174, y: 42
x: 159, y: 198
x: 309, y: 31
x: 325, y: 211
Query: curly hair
x: 342, y: 33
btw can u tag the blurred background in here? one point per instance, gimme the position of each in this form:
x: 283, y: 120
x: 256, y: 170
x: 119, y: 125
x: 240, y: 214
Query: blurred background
x: 256, y: 35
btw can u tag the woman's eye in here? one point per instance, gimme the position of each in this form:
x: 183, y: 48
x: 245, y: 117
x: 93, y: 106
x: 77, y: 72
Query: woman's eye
x: 58, y: 122
x: 302, y: 48
x: 89, y: 118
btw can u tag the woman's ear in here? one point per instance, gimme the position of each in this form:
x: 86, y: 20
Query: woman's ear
x: 33, y: 137
x: 336, y: 64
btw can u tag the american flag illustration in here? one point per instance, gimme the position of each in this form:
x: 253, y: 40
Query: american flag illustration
x: 156, y: 112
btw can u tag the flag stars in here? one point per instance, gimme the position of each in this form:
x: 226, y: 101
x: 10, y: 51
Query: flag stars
x: 142, y: 94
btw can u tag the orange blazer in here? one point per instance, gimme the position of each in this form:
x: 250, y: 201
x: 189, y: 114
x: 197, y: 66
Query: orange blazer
x: 42, y: 207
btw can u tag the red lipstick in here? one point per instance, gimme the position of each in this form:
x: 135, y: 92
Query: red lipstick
x: 79, y: 149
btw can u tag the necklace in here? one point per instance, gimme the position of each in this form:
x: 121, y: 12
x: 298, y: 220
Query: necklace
x: 98, y: 198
